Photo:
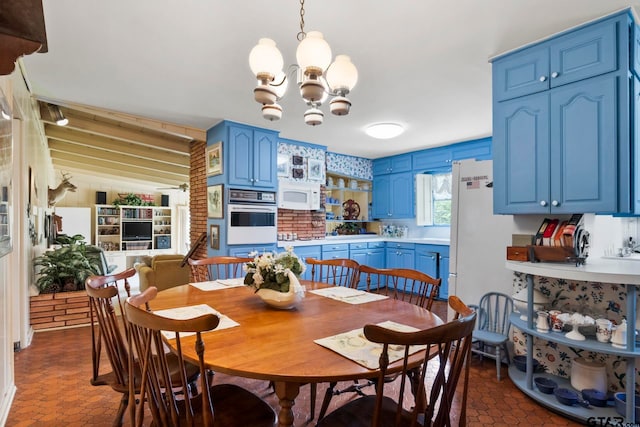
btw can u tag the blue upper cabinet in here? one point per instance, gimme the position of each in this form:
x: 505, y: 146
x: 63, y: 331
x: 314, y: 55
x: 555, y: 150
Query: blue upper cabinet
x: 440, y: 158
x: 577, y: 55
x: 567, y: 147
x: 393, y: 196
x: 393, y: 164
x: 252, y: 157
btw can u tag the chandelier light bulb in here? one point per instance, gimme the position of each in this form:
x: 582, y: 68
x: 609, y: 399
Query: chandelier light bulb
x: 265, y: 60
x: 342, y: 75
x: 313, y: 116
x: 313, y: 53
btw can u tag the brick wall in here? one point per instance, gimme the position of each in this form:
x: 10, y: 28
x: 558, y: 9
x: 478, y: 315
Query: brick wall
x: 198, y: 196
x: 306, y: 224
x: 59, y: 310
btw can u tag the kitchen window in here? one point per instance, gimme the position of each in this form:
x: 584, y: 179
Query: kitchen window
x: 433, y: 199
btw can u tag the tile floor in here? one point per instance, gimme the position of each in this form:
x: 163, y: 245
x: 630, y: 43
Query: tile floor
x: 52, y: 378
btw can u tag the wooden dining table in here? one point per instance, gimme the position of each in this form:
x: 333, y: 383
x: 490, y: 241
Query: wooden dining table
x: 278, y: 345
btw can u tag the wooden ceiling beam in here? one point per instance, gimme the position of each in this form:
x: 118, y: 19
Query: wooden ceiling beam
x: 122, y: 173
x: 109, y: 130
x: 182, y: 131
x: 71, y: 136
x: 107, y: 172
x: 123, y: 159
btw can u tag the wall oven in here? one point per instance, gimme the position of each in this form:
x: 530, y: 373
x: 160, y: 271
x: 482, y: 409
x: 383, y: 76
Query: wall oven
x: 251, y: 217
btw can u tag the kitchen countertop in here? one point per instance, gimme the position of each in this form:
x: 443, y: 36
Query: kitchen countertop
x: 363, y: 237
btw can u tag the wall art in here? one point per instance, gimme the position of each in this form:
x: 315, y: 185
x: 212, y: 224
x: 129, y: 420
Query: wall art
x: 214, y: 159
x: 283, y: 165
x: 215, y: 201
x: 315, y: 170
x: 214, y: 236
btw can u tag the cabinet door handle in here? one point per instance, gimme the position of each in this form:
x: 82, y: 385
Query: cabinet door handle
x: 555, y: 74
x: 543, y: 203
x: 555, y: 203
x: 543, y: 78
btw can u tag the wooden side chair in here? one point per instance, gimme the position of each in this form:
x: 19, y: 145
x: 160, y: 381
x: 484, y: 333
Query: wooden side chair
x: 492, y: 335
x: 337, y: 272
x: 172, y: 403
x: 407, y: 285
x: 103, y: 292
x: 217, y: 267
x: 448, y: 346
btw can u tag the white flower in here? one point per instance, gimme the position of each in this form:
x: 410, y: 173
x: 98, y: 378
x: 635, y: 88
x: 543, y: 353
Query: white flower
x: 258, y: 279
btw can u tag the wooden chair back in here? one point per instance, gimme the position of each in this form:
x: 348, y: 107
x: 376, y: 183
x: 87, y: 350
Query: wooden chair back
x: 104, y: 292
x: 405, y: 284
x: 169, y: 403
x: 338, y: 272
x: 164, y: 387
x: 448, y: 347
x: 217, y: 267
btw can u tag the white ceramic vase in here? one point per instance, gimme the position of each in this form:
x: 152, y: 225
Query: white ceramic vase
x: 283, y: 300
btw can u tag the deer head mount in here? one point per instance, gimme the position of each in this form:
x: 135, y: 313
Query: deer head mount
x: 56, y: 194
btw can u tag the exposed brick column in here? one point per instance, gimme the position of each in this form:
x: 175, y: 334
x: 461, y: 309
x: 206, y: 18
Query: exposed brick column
x: 198, y: 196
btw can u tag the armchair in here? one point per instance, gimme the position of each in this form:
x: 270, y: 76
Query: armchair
x: 162, y: 271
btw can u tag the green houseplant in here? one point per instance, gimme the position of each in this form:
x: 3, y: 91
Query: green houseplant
x: 65, y: 268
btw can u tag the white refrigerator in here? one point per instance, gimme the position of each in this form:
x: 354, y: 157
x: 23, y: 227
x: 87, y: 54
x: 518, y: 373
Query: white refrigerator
x: 478, y: 237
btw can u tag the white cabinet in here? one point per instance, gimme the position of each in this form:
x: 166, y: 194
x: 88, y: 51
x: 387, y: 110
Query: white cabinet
x: 133, y: 228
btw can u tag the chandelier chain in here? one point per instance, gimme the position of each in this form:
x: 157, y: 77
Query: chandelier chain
x: 301, y: 35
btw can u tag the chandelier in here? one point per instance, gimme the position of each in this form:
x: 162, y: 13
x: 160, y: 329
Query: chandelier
x: 317, y: 77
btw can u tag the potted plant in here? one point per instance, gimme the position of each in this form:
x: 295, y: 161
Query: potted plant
x: 65, y: 268
x: 348, y: 228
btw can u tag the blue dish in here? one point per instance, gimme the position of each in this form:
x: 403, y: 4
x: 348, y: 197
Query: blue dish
x: 521, y: 363
x: 545, y: 385
x: 566, y: 396
x: 621, y: 404
x: 595, y: 397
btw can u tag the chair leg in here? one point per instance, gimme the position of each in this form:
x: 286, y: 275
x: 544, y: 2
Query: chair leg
x: 124, y: 403
x: 498, y: 361
x: 327, y: 399
x: 313, y: 389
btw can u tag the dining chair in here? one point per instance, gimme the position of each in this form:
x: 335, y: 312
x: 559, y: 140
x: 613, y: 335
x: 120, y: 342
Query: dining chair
x: 217, y: 267
x: 173, y: 403
x: 494, y: 323
x: 408, y: 285
x: 445, y: 360
x: 405, y: 284
x: 337, y: 272
x: 103, y: 292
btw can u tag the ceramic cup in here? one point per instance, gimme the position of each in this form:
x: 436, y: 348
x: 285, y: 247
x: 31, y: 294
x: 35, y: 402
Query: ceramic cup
x: 542, y: 323
x: 603, y: 330
x: 556, y: 323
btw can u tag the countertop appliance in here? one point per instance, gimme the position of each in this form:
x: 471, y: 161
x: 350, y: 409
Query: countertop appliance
x: 252, y: 217
x: 478, y: 237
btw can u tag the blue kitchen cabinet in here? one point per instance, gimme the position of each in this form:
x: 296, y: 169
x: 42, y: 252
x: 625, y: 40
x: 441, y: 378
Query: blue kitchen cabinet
x: 304, y: 252
x: 370, y: 254
x: 576, y: 55
x: 556, y: 152
x: 245, y: 250
x: 400, y: 255
x: 252, y: 157
x: 433, y: 159
x: 392, y: 164
x: 566, y: 148
x: 392, y: 196
x: 434, y: 261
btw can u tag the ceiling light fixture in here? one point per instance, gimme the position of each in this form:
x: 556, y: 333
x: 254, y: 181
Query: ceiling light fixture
x: 56, y: 114
x: 384, y: 130
x: 316, y: 76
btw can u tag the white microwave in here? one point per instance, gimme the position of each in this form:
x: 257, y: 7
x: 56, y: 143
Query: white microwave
x: 296, y: 195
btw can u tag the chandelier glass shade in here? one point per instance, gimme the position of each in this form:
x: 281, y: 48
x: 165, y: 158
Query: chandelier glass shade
x: 316, y: 76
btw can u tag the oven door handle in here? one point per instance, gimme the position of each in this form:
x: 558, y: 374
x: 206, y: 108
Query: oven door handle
x: 246, y: 208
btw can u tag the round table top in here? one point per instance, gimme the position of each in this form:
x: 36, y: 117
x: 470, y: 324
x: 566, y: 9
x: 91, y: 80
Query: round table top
x: 278, y: 345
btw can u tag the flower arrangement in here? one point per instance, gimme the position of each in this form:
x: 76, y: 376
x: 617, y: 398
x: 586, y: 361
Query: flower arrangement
x: 270, y: 271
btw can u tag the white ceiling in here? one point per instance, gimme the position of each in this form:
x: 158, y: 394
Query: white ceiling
x: 423, y: 63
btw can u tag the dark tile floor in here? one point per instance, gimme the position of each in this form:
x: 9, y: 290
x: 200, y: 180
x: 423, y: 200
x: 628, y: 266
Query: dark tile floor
x: 52, y: 378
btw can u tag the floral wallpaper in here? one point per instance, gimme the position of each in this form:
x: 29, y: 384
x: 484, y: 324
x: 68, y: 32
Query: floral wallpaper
x: 301, y: 158
x: 588, y: 298
x: 357, y: 167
